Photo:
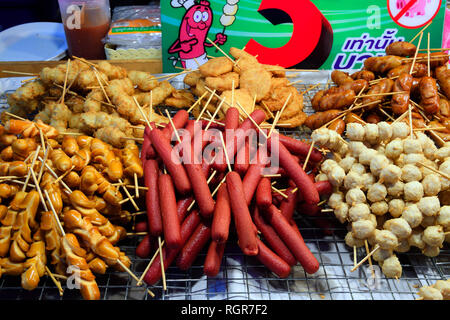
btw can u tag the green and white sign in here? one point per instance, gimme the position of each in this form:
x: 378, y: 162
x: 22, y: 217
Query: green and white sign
x: 325, y: 34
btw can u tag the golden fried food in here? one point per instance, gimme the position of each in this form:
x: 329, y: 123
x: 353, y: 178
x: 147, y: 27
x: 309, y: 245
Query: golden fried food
x: 244, y: 60
x: 180, y: 99
x: 240, y: 95
x: 143, y: 80
x: 192, y: 78
x: 223, y: 82
x: 257, y: 82
x: 216, y: 66
x: 112, y: 71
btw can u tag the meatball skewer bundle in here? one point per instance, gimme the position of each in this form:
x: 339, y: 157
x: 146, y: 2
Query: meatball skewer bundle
x: 387, y: 187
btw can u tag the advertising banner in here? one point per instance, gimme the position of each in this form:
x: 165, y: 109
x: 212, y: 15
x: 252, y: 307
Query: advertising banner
x: 307, y: 34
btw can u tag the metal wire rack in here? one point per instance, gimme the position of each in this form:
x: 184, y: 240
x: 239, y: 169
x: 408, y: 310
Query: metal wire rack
x: 244, y: 277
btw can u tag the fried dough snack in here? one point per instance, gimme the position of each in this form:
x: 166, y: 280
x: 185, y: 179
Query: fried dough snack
x: 112, y: 71
x: 216, y: 67
x: 29, y: 129
x: 74, y: 255
x: 131, y: 161
x: 180, y: 99
x: 81, y: 203
x: 53, y: 241
x: 143, y: 80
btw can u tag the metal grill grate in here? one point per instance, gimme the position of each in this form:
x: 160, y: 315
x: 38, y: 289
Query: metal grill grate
x: 243, y: 277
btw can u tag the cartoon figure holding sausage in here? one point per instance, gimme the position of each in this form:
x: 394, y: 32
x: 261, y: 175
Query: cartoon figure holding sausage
x: 194, y: 28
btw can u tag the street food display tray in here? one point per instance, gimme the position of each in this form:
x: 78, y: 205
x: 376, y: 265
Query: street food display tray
x: 244, y: 277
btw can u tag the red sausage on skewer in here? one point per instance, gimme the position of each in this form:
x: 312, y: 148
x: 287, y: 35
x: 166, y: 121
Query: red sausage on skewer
x: 168, y: 203
x: 300, y: 148
x: 174, y: 166
x: 187, y: 228
x: 213, y: 259
x: 151, y: 175
x: 264, y: 193
x: 272, y: 238
x: 292, y: 239
x: 220, y: 163
x: 194, y: 245
x: 295, y: 172
x: 222, y: 215
x: 246, y: 230
x: 273, y: 262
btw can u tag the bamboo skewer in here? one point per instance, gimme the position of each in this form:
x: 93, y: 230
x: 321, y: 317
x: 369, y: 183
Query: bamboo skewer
x: 419, y: 33
x: 163, y: 273
x: 61, y: 100
x: 127, y: 270
x: 36, y: 153
x: 206, y: 105
x: 58, y: 222
x: 308, y: 155
x: 197, y: 102
x: 149, y: 264
x: 365, y: 258
x: 434, y: 170
x: 218, y: 48
x: 56, y: 282
x: 214, y: 115
x: 130, y: 197
x: 21, y: 73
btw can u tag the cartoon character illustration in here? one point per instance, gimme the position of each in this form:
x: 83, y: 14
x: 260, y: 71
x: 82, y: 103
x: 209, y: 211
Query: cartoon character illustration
x: 418, y: 9
x: 195, y: 26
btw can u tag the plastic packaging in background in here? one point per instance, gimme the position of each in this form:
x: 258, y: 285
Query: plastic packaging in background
x: 135, y: 27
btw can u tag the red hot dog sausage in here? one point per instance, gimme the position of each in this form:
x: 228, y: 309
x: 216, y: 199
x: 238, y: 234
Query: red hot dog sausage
x: 287, y: 206
x: 222, y: 216
x: 174, y: 166
x: 246, y: 230
x: 264, y: 193
x: 141, y: 226
x: 187, y: 228
x: 179, y: 121
x: 168, y: 203
x: 300, y: 148
x: 194, y: 245
x: 151, y: 173
x: 273, y: 262
x: 295, y: 172
x: 232, y: 119
x: 253, y: 176
x: 272, y: 238
x: 213, y: 259
x: 292, y: 239
x: 232, y: 148
x: 145, y: 247
x: 182, y: 208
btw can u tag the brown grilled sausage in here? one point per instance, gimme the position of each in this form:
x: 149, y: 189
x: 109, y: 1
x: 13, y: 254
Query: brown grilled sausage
x: 400, y: 101
x: 381, y: 65
x: 429, y: 95
x: 363, y: 74
x: 338, y: 126
x: 443, y: 77
x: 401, y: 48
x: 384, y: 86
x: 318, y: 119
x: 419, y: 70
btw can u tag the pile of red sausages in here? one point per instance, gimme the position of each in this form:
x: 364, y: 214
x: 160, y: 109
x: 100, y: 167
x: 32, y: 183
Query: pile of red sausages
x: 244, y: 203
